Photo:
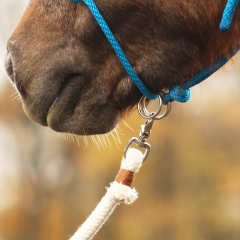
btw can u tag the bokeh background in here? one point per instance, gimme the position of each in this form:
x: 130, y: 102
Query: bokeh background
x: 189, y: 187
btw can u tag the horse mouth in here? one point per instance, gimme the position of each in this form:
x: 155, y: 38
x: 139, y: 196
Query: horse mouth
x: 64, y: 100
x: 82, y: 110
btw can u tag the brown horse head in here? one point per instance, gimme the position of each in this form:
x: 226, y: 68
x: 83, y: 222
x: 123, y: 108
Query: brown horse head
x: 70, y: 78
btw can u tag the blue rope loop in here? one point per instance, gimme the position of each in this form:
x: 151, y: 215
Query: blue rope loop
x: 228, y: 15
x: 176, y: 93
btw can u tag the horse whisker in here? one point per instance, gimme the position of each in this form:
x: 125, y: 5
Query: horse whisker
x: 100, y: 142
x: 104, y: 140
x: 16, y: 92
x: 114, y: 139
x: 108, y: 140
x: 127, y: 125
x: 16, y: 97
x: 85, y: 139
x: 95, y: 142
x: 117, y: 136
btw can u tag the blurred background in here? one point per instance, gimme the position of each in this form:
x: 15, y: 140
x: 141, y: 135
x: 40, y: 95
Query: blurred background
x: 189, y: 187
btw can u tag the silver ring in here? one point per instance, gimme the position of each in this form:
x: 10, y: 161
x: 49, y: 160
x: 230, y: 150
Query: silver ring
x: 145, y: 114
x: 143, y: 111
x: 167, y: 111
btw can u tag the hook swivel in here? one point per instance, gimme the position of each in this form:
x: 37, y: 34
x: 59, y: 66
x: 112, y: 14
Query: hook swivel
x: 146, y: 128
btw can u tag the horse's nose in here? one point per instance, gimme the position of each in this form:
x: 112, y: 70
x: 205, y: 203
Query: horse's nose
x: 9, y: 66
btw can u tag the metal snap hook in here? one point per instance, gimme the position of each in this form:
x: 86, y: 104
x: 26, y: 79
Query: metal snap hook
x: 139, y: 144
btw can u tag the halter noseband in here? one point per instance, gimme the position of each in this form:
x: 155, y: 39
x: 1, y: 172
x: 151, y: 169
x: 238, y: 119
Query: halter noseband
x: 176, y: 93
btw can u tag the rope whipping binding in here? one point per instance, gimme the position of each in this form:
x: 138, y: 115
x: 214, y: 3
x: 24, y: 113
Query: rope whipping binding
x: 176, y: 93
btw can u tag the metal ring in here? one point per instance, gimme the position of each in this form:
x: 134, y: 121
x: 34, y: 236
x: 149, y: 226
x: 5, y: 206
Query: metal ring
x: 145, y: 114
x: 143, y: 111
x: 167, y: 111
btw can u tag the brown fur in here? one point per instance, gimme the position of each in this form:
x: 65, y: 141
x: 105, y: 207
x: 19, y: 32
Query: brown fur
x: 58, y: 51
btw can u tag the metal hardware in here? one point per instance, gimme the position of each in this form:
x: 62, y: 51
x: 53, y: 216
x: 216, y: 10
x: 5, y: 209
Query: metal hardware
x: 135, y: 140
x: 146, y: 128
x: 141, y: 140
x: 142, y: 108
x: 145, y: 114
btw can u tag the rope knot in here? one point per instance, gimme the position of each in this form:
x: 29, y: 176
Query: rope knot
x: 176, y: 93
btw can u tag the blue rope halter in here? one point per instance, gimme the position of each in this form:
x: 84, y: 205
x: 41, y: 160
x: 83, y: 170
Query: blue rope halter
x: 176, y: 93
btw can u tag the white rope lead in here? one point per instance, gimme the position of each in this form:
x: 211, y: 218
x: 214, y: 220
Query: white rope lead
x: 118, y: 192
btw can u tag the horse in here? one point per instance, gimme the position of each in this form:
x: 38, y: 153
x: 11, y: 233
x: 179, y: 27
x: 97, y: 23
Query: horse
x: 69, y: 77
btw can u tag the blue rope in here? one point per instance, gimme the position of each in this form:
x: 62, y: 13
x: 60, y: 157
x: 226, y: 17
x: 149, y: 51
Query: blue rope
x: 228, y: 15
x: 176, y: 93
x: 183, y: 94
x: 122, y: 57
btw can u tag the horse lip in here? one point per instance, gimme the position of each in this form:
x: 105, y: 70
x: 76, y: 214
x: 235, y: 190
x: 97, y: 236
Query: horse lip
x: 65, y: 102
x: 54, y: 102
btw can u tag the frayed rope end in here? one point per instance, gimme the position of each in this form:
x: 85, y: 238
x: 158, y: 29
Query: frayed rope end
x: 122, y: 193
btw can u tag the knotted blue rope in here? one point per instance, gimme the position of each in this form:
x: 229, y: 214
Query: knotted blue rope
x: 176, y: 93
x: 228, y: 15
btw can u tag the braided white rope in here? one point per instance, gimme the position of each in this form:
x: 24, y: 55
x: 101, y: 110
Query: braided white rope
x: 117, y: 193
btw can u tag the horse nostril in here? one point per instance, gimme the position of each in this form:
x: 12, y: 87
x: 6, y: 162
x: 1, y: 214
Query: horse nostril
x: 9, y: 66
